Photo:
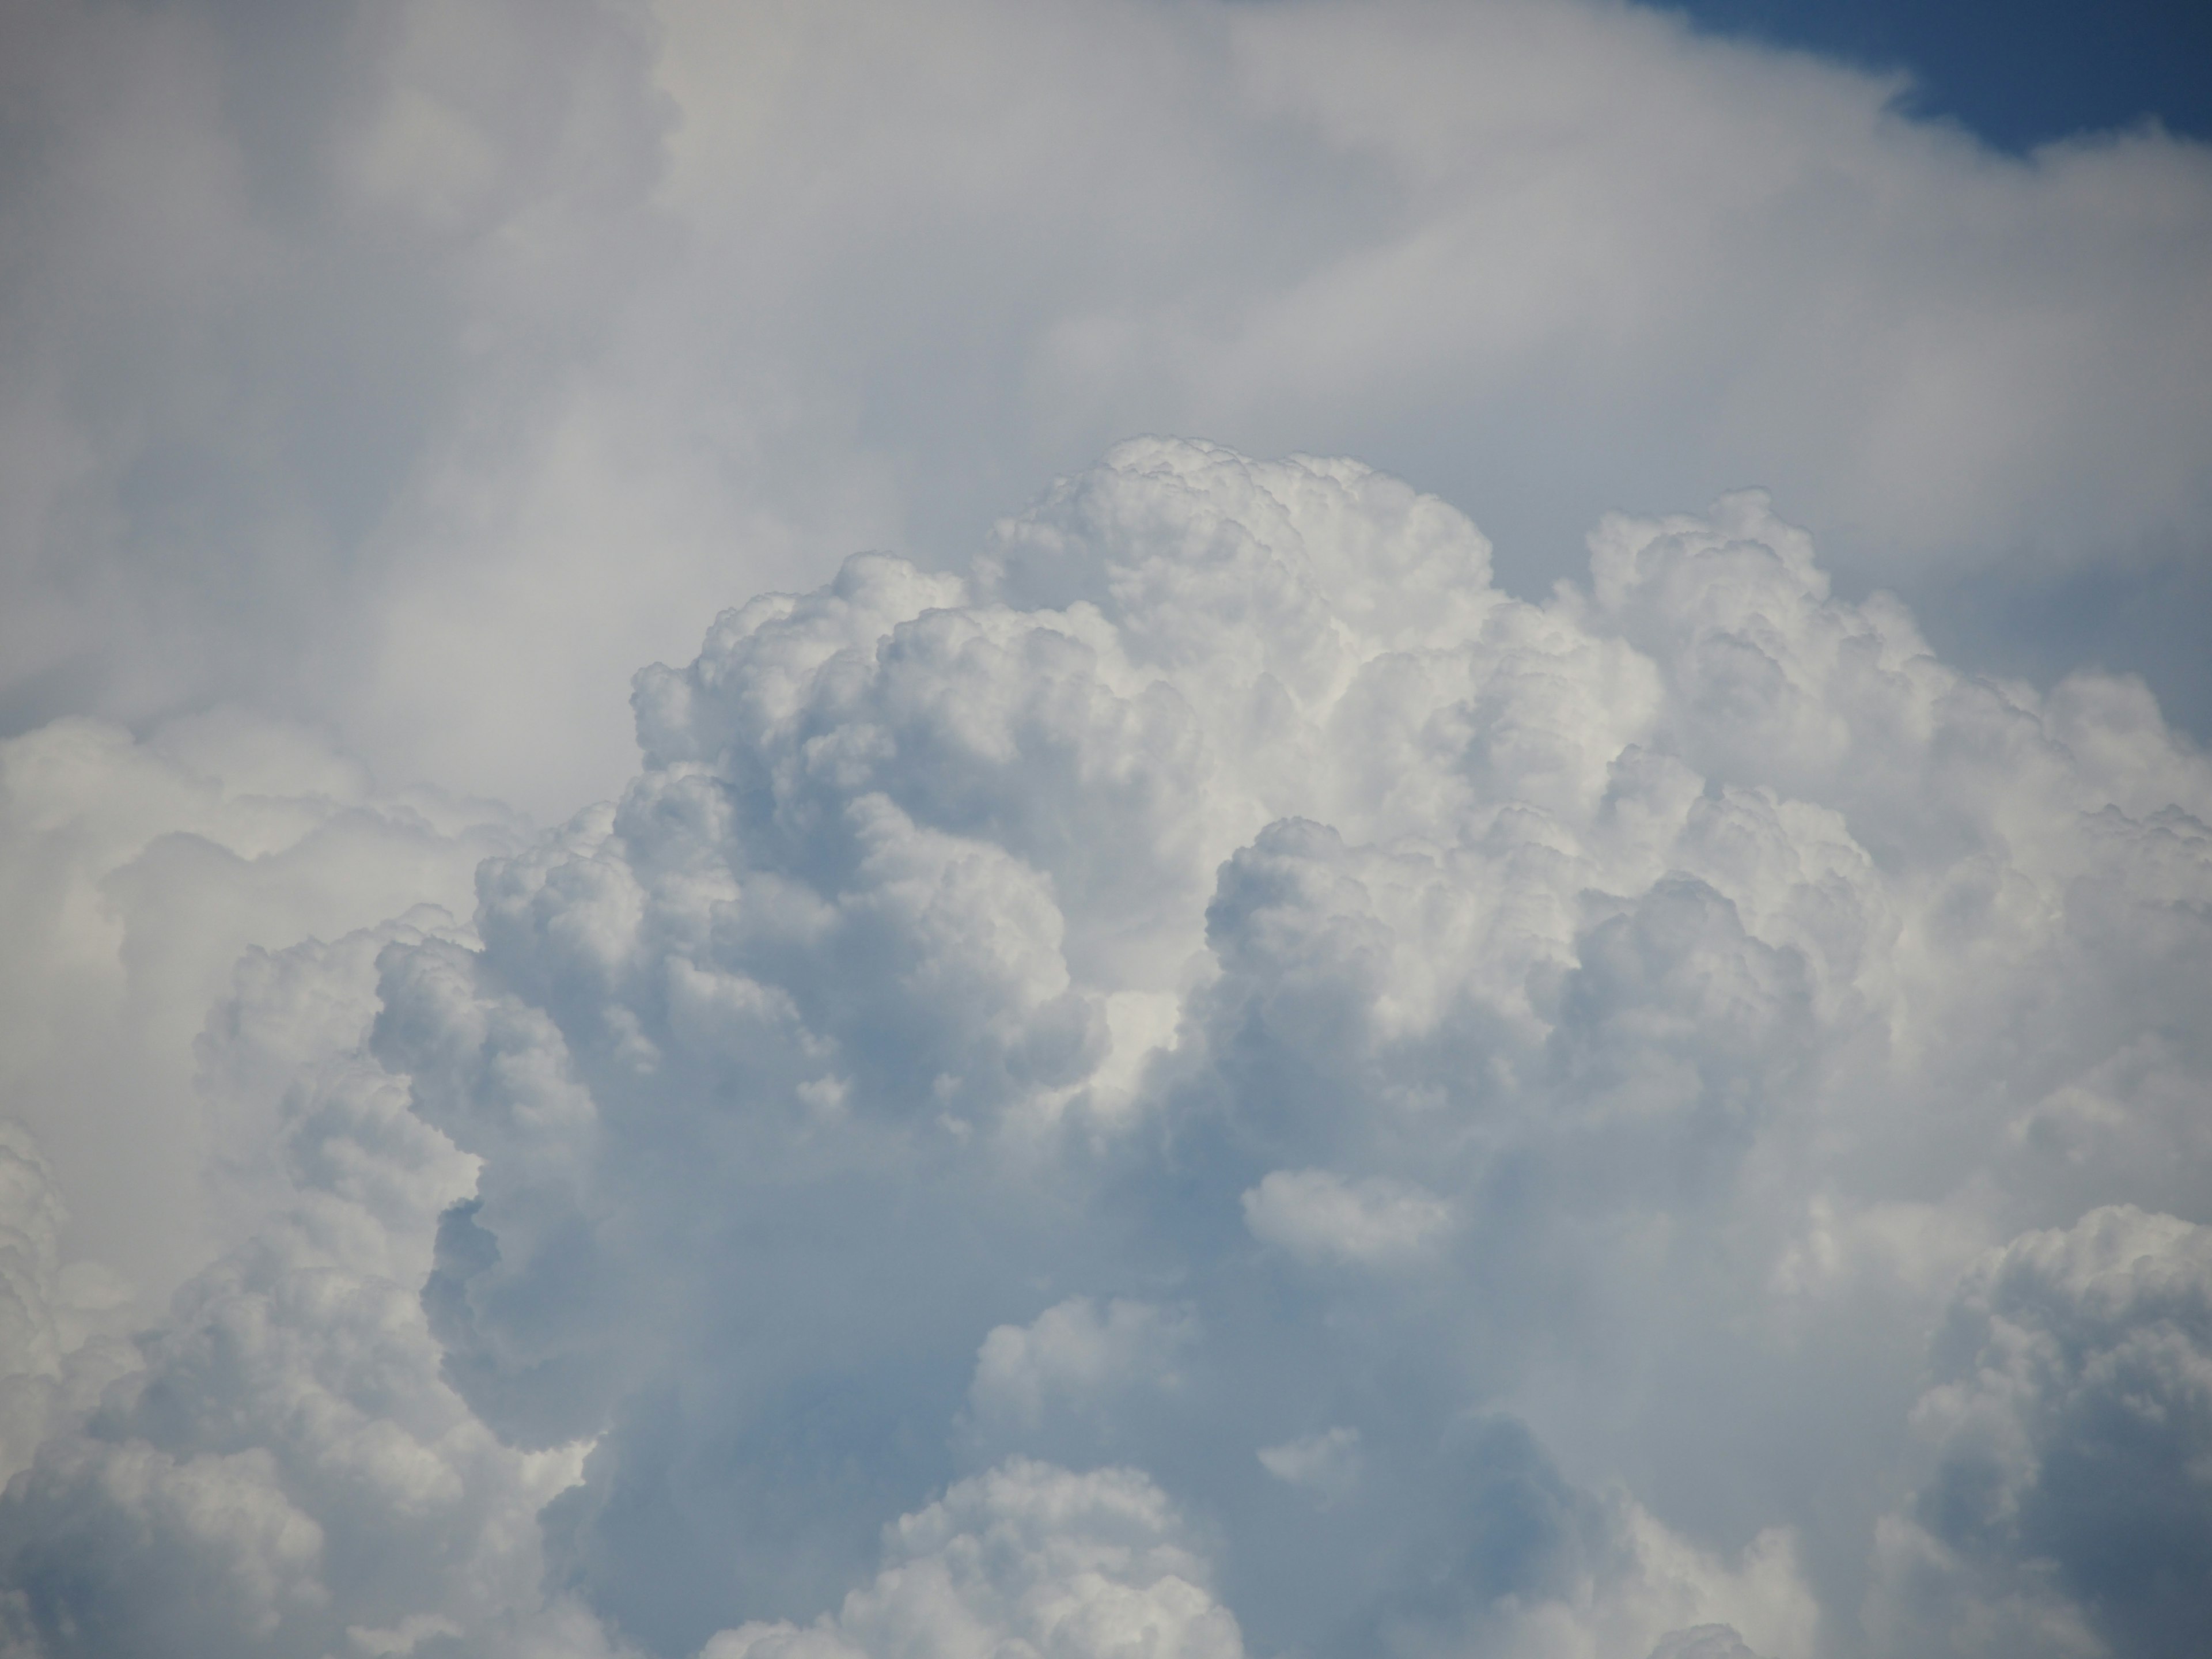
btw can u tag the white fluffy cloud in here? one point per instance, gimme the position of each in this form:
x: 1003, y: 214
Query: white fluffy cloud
x: 136, y: 872
x: 1075, y: 1355
x: 1317, y: 1216
x: 1206, y: 1074
x: 1213, y: 1079
x: 50, y: 1316
x: 278, y: 1467
x: 1026, y: 1559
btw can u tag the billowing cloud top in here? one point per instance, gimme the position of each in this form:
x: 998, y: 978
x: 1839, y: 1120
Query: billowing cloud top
x: 419, y: 367
x: 1214, y: 1084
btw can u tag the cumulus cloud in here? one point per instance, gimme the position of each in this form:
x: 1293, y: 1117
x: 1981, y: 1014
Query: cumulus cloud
x: 1248, y: 1082
x: 1074, y: 1357
x: 1317, y: 1217
x: 1326, y: 1464
x: 1025, y: 1559
x: 51, y: 1312
x: 2068, y: 1507
x: 138, y: 871
x: 278, y: 1467
x: 1704, y: 1642
x: 1214, y: 1080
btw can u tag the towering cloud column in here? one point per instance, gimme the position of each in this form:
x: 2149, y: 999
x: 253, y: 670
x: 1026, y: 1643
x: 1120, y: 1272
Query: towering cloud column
x: 1211, y: 1083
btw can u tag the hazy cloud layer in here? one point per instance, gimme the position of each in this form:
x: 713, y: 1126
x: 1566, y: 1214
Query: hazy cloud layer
x: 1212, y: 1083
x: 421, y: 369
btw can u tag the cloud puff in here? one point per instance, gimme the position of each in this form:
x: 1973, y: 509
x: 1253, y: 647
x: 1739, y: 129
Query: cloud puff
x: 1702, y: 1642
x: 1317, y: 1217
x: 278, y: 1468
x: 1028, y: 1558
x: 138, y: 870
x: 58, y: 1319
x: 1074, y: 1355
x: 2069, y: 1505
x: 1326, y: 1464
x: 1215, y: 995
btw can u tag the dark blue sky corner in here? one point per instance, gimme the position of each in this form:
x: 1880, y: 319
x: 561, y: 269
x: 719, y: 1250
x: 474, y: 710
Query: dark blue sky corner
x: 2017, y: 75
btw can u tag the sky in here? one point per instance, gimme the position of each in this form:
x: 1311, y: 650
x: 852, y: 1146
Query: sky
x: 1191, y: 827
x: 2017, y: 75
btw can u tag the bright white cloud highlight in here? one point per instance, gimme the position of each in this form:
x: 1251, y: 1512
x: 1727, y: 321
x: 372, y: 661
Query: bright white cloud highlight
x: 1026, y: 1559
x: 137, y: 872
x: 1074, y: 1355
x: 1326, y: 1464
x: 1317, y: 1216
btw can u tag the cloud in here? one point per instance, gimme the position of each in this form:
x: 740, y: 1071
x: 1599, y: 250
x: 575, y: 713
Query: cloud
x: 1317, y: 1217
x: 2069, y: 1504
x: 1071, y: 1565
x: 139, y: 871
x: 1049, y: 1069
x: 1240, y: 962
x: 1704, y: 1642
x: 57, y: 1321
x: 277, y: 1467
x: 1073, y: 1355
x: 1326, y: 1464
x: 421, y: 371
